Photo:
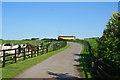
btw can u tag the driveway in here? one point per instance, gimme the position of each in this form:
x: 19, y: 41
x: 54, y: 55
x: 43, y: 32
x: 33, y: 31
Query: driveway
x: 62, y: 65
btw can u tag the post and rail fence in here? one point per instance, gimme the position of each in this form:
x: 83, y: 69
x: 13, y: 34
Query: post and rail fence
x: 102, y: 70
x: 23, y: 53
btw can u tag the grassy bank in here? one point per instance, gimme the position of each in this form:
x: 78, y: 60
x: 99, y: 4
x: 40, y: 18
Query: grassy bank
x: 13, y: 70
x: 85, y: 60
x: 92, y: 42
x: 94, y: 45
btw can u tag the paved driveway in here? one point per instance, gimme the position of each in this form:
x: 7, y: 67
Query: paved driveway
x: 61, y: 65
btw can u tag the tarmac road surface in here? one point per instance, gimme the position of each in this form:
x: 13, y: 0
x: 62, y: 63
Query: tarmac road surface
x: 61, y: 65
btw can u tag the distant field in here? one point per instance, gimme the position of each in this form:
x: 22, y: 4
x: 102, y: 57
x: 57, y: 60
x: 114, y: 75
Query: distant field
x: 93, y: 43
x: 21, y: 42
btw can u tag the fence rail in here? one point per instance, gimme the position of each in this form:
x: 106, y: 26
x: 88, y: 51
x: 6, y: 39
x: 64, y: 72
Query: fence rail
x: 23, y: 53
x: 101, y: 69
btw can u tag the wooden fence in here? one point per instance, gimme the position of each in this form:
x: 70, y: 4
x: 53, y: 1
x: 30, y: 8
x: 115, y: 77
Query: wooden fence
x: 102, y: 70
x: 23, y: 53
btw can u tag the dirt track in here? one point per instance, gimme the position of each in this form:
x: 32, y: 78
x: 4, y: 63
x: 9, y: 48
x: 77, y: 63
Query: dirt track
x: 61, y: 65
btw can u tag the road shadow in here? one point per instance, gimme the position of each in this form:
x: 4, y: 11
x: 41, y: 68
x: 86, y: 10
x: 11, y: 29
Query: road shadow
x: 77, y: 54
x: 63, y: 76
x: 77, y: 60
x: 85, y: 64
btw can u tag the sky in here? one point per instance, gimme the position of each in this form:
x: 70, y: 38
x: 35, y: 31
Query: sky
x: 25, y: 20
x: 60, y: 0
x: 0, y: 20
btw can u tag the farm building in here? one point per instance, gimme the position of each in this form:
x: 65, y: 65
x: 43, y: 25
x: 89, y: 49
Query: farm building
x: 66, y: 37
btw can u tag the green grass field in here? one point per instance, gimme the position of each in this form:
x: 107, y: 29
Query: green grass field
x: 94, y: 45
x: 22, y: 42
x: 10, y: 71
x: 92, y: 42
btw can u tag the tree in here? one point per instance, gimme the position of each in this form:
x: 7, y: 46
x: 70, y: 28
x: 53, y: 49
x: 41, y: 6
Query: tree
x: 109, y: 43
x: 35, y: 39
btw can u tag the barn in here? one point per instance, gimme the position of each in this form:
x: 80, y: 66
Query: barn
x: 66, y: 37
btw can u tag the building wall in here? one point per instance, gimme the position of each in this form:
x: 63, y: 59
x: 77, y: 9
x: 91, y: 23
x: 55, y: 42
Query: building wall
x: 66, y: 37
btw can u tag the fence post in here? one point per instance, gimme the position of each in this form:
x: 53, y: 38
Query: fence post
x: 93, y: 65
x: 3, y: 59
x: 15, y: 56
x: 38, y: 52
x: 43, y: 50
x: 24, y: 53
x: 31, y: 53
x: 46, y: 48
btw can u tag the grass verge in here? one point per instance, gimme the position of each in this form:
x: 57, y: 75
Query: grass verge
x: 13, y: 70
x: 94, y: 45
x: 85, y: 60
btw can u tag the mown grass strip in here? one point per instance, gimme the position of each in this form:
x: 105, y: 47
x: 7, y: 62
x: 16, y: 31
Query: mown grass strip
x: 12, y: 70
x: 85, y: 60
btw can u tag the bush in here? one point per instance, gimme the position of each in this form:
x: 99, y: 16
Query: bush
x: 109, y: 43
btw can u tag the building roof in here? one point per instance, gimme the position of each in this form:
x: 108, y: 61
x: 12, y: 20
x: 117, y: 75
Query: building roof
x: 66, y: 36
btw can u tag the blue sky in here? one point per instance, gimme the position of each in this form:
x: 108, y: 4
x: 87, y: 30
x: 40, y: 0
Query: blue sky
x: 23, y: 20
x: 60, y: 0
